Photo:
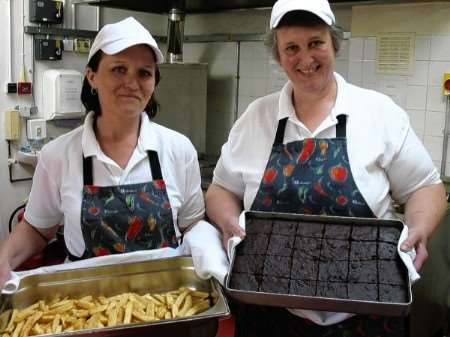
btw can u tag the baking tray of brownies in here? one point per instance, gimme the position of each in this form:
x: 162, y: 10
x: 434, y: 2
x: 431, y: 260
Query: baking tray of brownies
x: 329, y: 263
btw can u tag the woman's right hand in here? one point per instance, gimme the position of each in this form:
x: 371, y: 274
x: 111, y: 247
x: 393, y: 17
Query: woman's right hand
x: 5, y: 272
x: 231, y: 230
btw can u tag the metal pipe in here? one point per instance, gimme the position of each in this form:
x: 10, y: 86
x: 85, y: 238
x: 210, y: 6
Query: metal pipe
x: 74, y: 15
x: 10, y: 37
x: 446, y: 134
x: 238, y: 77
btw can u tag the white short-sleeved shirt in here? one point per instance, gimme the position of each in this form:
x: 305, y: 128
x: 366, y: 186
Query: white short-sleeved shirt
x: 56, y: 192
x: 387, y: 159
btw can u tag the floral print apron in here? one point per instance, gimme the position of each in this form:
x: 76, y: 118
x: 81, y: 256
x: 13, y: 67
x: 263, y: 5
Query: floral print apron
x: 311, y: 176
x: 126, y: 218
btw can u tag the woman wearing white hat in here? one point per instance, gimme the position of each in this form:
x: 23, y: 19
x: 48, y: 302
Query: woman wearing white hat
x: 322, y: 146
x: 120, y: 182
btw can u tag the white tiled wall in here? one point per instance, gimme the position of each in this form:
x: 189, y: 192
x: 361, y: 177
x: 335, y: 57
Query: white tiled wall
x: 419, y: 94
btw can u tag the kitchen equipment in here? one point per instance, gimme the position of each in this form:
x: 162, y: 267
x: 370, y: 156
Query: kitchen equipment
x: 336, y: 248
x: 153, y: 276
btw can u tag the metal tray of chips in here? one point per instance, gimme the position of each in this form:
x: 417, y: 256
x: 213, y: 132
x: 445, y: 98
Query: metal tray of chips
x: 156, y: 276
x: 326, y: 263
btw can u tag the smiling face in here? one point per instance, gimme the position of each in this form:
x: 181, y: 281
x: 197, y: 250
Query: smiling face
x: 125, y: 81
x: 307, y: 56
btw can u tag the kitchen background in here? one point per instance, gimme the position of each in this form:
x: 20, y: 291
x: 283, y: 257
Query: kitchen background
x: 239, y: 71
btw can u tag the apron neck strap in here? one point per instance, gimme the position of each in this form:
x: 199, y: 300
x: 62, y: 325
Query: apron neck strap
x: 279, y: 137
x: 341, y: 130
x: 155, y: 168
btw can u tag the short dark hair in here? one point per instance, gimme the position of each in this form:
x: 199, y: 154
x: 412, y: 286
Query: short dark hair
x: 91, y: 101
x: 302, y: 19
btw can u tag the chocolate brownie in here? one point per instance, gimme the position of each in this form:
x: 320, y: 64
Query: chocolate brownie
x: 333, y: 271
x: 284, y: 227
x: 334, y: 250
x: 243, y: 281
x: 276, y: 285
x: 279, y: 266
x: 307, y: 247
x: 362, y: 272
x: 253, y: 244
x: 391, y: 272
x: 360, y: 251
x: 304, y: 268
x: 261, y: 226
x: 252, y: 264
x: 363, y: 291
x: 310, y: 229
x: 364, y: 233
x: 387, y: 250
x: 389, y: 234
x: 281, y: 245
x: 332, y: 289
x: 393, y: 294
x: 302, y: 287
x: 337, y: 232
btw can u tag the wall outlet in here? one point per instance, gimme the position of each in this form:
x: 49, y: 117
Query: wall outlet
x: 11, y: 88
x: 36, y: 129
x: 24, y: 88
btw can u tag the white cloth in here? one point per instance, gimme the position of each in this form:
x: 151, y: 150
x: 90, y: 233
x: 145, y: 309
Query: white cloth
x: 328, y: 317
x: 56, y: 192
x: 386, y: 157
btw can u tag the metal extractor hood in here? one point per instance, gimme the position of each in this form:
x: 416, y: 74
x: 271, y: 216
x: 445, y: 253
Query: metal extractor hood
x: 191, y: 6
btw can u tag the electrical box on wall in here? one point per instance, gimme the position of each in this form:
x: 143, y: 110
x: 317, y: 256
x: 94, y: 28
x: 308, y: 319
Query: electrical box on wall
x: 446, y: 84
x: 61, y: 90
x: 47, y: 49
x: 46, y: 11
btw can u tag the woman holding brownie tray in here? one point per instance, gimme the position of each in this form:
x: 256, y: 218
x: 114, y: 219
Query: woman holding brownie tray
x: 322, y: 146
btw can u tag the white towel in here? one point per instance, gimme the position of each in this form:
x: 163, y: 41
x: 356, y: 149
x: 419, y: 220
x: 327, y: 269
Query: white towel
x: 204, y: 243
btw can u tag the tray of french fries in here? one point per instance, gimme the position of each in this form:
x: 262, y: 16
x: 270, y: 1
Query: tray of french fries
x: 159, y: 297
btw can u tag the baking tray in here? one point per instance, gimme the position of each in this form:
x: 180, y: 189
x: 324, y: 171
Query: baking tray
x: 293, y: 225
x: 154, y: 276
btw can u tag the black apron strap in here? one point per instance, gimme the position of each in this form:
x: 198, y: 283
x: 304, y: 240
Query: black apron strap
x: 341, y: 127
x: 279, y: 137
x: 154, y: 165
x: 87, y: 171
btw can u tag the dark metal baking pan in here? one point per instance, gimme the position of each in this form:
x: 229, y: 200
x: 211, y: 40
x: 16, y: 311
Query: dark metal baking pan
x: 326, y: 303
x: 154, y: 276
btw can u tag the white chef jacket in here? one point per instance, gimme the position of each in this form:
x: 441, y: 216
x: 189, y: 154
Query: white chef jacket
x: 387, y: 159
x: 56, y: 193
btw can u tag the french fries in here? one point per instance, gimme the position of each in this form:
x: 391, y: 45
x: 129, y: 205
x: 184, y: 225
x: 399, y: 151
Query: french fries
x: 89, y: 312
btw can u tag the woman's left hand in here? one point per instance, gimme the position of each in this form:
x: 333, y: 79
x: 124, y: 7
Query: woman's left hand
x: 416, y: 239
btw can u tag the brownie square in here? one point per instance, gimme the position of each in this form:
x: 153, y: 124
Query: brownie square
x: 279, y: 266
x: 252, y: 264
x: 284, y: 227
x: 389, y: 234
x: 281, y: 245
x: 387, y: 251
x: 275, y: 285
x: 304, y: 268
x: 360, y: 251
x: 393, y: 294
x: 391, y: 272
x: 363, y: 292
x: 302, y: 287
x: 307, y: 247
x: 310, y: 229
x: 334, y: 250
x: 258, y: 226
x: 337, y: 232
x: 333, y: 271
x: 364, y: 233
x: 332, y: 289
x: 253, y: 244
x: 363, y: 272
x: 241, y: 281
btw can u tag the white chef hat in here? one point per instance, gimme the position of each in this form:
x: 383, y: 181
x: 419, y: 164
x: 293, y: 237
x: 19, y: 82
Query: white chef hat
x: 321, y: 8
x: 115, y: 37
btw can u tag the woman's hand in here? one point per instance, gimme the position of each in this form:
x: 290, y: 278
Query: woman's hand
x: 230, y: 231
x: 416, y: 239
x: 5, y: 271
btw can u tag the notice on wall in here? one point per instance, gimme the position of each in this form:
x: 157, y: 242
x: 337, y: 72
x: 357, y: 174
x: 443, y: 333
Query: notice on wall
x: 70, y: 94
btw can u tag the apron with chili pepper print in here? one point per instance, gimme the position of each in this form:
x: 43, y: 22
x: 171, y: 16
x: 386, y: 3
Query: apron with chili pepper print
x: 126, y: 218
x: 312, y: 176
